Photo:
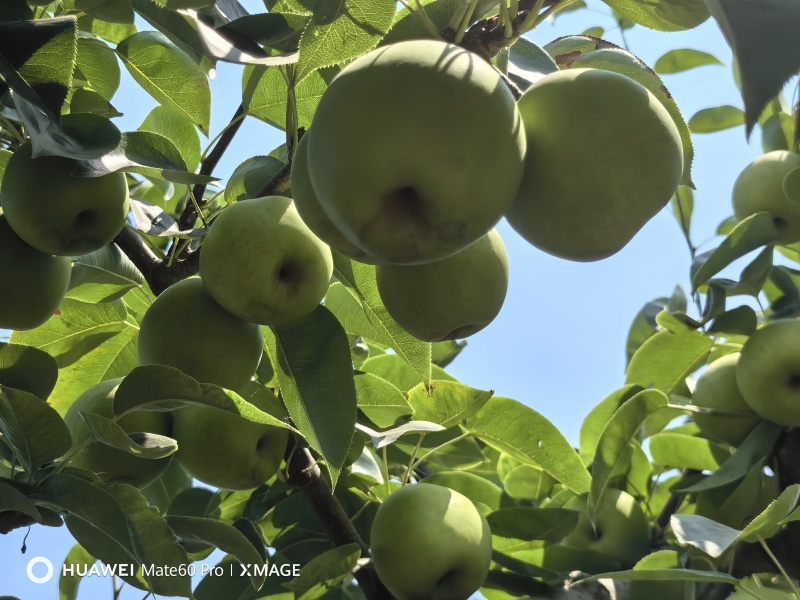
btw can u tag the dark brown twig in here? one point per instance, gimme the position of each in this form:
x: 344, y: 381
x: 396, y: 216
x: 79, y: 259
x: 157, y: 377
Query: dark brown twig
x: 305, y: 475
x: 189, y: 216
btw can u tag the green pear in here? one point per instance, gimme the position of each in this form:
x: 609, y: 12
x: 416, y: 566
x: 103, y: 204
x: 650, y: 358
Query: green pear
x: 768, y: 372
x: 58, y: 213
x: 717, y: 389
x: 620, y: 530
x: 113, y: 465
x: 186, y: 329
x: 263, y: 264
x: 311, y: 211
x: 32, y: 283
x: 226, y: 450
x: 604, y: 156
x: 759, y: 188
x: 430, y: 543
x: 449, y: 299
x: 416, y: 151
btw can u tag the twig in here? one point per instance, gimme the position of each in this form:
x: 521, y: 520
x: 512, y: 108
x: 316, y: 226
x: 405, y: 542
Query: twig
x: 305, y: 475
x: 279, y: 184
x: 190, y: 214
x: 672, y: 504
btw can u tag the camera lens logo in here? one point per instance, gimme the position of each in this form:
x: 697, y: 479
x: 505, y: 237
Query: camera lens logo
x: 40, y: 560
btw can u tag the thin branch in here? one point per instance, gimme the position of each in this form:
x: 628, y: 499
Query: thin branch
x: 190, y: 214
x: 279, y: 184
x: 305, y: 475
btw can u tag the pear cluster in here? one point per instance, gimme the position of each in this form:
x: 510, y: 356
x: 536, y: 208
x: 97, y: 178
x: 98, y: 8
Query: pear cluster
x: 48, y: 214
x: 418, y: 149
x: 762, y: 382
x: 259, y: 265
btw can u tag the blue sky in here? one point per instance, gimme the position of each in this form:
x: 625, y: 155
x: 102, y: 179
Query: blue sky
x: 559, y: 343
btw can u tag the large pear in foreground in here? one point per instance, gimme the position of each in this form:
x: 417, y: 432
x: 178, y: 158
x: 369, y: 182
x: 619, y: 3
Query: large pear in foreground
x: 717, y: 389
x: 760, y: 187
x: 186, y: 329
x: 449, y: 299
x: 416, y: 151
x: 58, y: 213
x: 311, y: 211
x: 32, y: 283
x: 620, y: 532
x: 604, y: 156
x: 111, y: 464
x: 263, y: 264
x: 768, y: 372
x: 226, y: 450
x: 430, y: 543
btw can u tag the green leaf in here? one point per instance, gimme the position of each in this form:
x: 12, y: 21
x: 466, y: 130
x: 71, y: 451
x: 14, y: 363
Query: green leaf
x: 28, y: 369
x: 754, y: 448
x: 113, y: 32
x: 597, y: 419
x: 380, y: 401
x: 90, y: 342
x: 32, y: 428
x: 741, y: 320
x: 770, y: 522
x: 179, y: 130
x: 342, y: 30
x: 12, y: 499
x: 763, y: 36
x: 527, y: 62
x: 368, y: 316
x: 37, y: 59
x: 719, y: 118
x: 522, y: 523
x: 168, y: 75
x: 687, y: 452
x: 68, y: 584
x: 446, y: 402
x: 656, y: 574
x: 750, y: 234
x: 682, y: 205
x: 520, y: 431
x: 586, y: 52
x: 326, y: 570
x: 666, y: 359
x: 264, y: 93
x: 250, y: 177
x: 528, y: 483
x: 704, y: 534
x: 147, y: 153
x: 202, y: 42
x: 113, y: 11
x: 398, y: 372
x: 223, y: 536
x: 275, y: 30
x: 102, y: 276
x: 684, y: 59
x: 161, y: 388
x: 92, y: 504
x: 481, y: 491
x: 315, y: 372
x: 662, y: 15
x: 98, y: 66
x: 155, y: 542
x: 143, y: 445
x: 612, y: 447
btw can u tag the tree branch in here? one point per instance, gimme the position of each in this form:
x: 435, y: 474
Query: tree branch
x: 189, y: 216
x: 279, y: 184
x: 305, y: 475
x: 673, y: 503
